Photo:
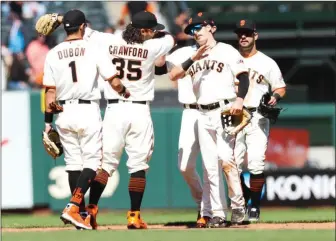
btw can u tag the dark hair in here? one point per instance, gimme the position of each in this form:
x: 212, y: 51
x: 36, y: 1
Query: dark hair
x: 132, y: 35
x: 71, y: 30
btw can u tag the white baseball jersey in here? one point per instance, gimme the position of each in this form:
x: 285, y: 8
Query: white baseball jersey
x: 214, y: 76
x: 73, y: 68
x: 186, y: 93
x: 263, y: 73
x: 135, y: 63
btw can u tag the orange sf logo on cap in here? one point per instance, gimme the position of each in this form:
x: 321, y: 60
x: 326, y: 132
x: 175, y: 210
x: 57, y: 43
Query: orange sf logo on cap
x: 242, y: 22
x: 190, y: 20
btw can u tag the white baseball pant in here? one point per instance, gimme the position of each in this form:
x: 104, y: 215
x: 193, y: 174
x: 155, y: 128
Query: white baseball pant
x: 80, y: 130
x: 188, y: 151
x: 215, y: 143
x: 253, y: 140
x: 127, y: 125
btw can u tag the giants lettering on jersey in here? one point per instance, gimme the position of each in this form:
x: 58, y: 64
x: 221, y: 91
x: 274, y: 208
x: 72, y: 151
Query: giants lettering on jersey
x: 128, y: 51
x: 205, y: 65
x: 255, y: 76
x: 70, y: 52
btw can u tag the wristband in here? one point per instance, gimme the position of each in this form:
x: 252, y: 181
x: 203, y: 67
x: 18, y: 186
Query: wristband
x: 186, y: 64
x: 277, y: 97
x: 48, y: 117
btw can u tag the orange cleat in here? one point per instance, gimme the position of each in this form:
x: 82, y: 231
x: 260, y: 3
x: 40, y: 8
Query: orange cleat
x: 93, y: 211
x: 71, y: 215
x: 134, y: 220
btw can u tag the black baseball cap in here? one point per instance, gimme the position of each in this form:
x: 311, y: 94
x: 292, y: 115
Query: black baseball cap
x: 146, y: 20
x: 73, y: 19
x: 200, y: 18
x: 245, y: 25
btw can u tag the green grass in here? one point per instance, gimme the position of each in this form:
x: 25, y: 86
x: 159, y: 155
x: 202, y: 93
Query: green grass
x: 176, y: 235
x: 169, y: 216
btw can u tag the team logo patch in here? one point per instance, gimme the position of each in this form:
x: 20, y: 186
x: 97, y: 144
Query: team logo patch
x: 240, y: 61
x: 242, y: 22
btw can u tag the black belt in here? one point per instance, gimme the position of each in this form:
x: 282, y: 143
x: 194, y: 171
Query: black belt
x: 115, y: 101
x: 253, y: 109
x: 192, y: 106
x: 213, y: 105
x: 62, y: 102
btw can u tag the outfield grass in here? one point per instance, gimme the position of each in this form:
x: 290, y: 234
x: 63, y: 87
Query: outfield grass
x: 176, y: 235
x: 168, y: 216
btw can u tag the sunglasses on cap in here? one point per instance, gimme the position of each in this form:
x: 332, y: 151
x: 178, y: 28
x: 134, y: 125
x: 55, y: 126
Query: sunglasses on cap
x: 195, y: 28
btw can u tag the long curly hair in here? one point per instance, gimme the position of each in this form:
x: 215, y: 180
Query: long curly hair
x: 132, y: 35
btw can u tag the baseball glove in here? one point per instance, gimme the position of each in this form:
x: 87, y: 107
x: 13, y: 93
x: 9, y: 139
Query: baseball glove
x: 47, y: 24
x: 269, y: 111
x: 52, y: 143
x: 232, y: 124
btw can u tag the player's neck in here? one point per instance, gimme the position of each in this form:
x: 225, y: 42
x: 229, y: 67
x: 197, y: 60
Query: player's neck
x: 75, y: 36
x: 212, y: 43
x: 246, y: 53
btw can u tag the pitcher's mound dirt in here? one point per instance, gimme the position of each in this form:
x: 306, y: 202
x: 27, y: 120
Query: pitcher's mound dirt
x: 260, y: 226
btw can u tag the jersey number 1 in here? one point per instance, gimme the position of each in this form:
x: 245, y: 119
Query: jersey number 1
x: 72, y: 65
x: 133, y: 67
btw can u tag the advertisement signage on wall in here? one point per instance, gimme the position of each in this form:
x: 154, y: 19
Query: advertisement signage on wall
x: 304, y: 188
x: 16, y: 163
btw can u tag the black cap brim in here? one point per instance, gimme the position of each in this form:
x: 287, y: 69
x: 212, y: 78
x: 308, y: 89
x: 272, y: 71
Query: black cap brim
x: 158, y: 27
x: 238, y: 30
x: 187, y: 30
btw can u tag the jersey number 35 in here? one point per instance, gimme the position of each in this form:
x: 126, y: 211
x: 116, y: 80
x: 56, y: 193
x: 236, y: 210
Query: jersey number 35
x: 133, y: 68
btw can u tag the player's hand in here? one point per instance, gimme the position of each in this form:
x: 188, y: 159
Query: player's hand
x: 237, y: 107
x: 272, y: 101
x: 127, y: 94
x: 200, y: 53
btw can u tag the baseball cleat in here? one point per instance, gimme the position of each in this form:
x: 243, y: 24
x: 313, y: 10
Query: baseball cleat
x: 134, y: 220
x: 254, y: 215
x: 202, y: 222
x: 93, y: 211
x: 237, y: 216
x: 71, y: 215
x: 217, y: 222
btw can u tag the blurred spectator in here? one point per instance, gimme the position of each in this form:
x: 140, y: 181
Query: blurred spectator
x: 6, y: 63
x: 133, y: 7
x: 110, y: 29
x: 36, y: 53
x: 19, y: 73
x: 16, y: 7
x: 33, y: 10
x: 16, y: 38
x: 3, y: 75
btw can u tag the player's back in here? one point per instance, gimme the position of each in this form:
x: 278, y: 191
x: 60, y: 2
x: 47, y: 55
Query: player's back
x: 73, y: 67
x: 135, y: 65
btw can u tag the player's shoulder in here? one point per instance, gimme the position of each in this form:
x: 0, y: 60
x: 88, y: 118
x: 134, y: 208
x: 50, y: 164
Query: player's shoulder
x: 226, y: 46
x: 266, y: 59
x: 184, y: 50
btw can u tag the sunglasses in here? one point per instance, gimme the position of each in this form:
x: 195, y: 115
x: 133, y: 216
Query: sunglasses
x: 245, y: 33
x: 195, y: 28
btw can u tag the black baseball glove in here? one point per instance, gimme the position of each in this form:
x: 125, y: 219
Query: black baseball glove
x: 268, y: 111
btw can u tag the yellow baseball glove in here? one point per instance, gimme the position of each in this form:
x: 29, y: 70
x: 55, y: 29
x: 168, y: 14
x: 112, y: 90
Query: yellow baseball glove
x: 47, y: 24
x: 232, y: 124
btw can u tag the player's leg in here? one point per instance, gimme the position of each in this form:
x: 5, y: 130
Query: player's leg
x: 208, y: 146
x: 73, y: 158
x: 240, y: 156
x: 225, y: 145
x: 256, y: 162
x: 139, y: 147
x: 188, y: 151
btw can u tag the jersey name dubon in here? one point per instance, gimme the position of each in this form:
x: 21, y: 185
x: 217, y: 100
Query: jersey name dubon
x: 71, y: 52
x: 206, y: 65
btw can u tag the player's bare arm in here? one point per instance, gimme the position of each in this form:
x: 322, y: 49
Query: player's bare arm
x: 278, y: 94
x: 178, y: 71
x: 116, y: 84
x: 243, y: 86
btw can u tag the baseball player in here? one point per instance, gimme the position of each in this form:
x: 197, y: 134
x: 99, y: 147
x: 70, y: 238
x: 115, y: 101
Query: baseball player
x: 210, y: 198
x: 264, y: 73
x: 213, y: 69
x: 70, y: 76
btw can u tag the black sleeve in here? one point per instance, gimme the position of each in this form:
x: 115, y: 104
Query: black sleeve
x: 161, y: 70
x: 243, y: 85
